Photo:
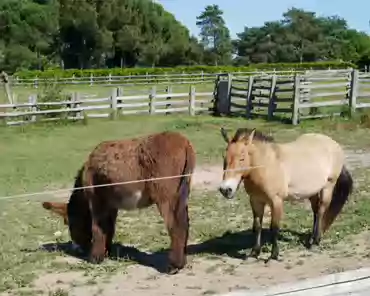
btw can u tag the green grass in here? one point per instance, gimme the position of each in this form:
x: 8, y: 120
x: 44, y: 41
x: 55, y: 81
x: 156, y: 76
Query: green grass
x: 40, y: 157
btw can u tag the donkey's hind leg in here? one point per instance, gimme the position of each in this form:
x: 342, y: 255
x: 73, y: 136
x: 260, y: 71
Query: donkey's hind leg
x: 177, y: 222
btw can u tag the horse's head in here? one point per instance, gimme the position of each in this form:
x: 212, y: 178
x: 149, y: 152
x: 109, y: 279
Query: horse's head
x: 76, y: 215
x: 237, y: 160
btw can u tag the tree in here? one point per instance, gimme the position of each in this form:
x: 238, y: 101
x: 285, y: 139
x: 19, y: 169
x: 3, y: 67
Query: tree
x: 301, y: 36
x: 215, y: 35
x: 35, y: 34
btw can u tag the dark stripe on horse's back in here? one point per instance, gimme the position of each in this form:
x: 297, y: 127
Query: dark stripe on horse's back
x: 258, y: 135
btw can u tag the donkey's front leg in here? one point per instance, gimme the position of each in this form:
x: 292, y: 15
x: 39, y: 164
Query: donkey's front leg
x: 97, y: 252
x: 100, y: 229
x: 111, y: 227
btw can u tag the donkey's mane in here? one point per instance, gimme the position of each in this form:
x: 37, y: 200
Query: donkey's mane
x: 243, y: 132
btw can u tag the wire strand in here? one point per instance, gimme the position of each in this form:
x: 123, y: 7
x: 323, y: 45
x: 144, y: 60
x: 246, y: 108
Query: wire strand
x: 48, y: 192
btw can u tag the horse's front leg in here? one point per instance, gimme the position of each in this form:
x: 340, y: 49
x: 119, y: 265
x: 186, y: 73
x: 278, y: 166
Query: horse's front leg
x: 258, y: 209
x: 276, y: 216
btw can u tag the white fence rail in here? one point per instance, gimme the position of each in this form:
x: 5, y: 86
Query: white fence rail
x: 78, y: 108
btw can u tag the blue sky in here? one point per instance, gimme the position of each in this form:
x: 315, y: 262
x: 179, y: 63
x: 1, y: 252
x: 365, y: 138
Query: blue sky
x: 240, y: 13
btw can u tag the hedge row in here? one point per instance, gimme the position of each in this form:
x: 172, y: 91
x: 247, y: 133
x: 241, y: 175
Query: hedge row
x: 191, y: 69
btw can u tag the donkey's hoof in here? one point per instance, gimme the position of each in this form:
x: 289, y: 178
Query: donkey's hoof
x: 172, y: 269
x: 96, y: 258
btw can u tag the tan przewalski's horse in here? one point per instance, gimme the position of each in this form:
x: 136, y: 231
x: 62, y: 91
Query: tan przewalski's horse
x: 91, y: 212
x: 310, y: 167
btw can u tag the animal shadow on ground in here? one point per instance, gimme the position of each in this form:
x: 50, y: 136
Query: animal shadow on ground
x: 229, y: 244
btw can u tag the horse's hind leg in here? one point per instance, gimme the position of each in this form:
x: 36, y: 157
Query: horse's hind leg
x: 322, y: 204
x: 315, y: 231
x: 177, y: 222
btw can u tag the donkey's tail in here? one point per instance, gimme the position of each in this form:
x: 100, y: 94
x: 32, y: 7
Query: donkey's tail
x: 343, y: 188
x: 185, y: 183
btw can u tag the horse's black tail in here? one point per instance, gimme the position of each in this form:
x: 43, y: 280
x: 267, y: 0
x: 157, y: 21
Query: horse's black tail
x: 343, y: 188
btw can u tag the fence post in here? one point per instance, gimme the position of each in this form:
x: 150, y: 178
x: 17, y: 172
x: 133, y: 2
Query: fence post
x: 32, y: 99
x: 35, y: 82
x: 296, y: 99
x: 271, y: 107
x: 113, y: 104
x: 152, y: 100
x: 119, y: 99
x: 353, y: 92
x: 229, y: 82
x: 192, y: 100
x: 169, y: 91
x: 91, y: 79
x: 77, y: 104
x: 249, y: 97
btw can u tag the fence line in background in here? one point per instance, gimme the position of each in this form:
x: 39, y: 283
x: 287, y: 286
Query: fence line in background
x: 292, y: 96
x: 174, y: 78
x: 78, y: 107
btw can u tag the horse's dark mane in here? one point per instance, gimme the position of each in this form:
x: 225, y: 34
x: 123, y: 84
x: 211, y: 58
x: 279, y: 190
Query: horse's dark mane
x: 242, y: 132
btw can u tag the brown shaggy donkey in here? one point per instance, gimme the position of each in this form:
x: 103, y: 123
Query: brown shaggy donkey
x: 91, y: 212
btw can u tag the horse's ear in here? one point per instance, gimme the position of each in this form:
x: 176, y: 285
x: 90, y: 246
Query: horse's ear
x: 224, y: 135
x: 251, y: 136
x: 59, y: 208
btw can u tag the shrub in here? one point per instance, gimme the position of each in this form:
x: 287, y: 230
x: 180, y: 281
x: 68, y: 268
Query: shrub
x: 50, y: 91
x: 58, y: 73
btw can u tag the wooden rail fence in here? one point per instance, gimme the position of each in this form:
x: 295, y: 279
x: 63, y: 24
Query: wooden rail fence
x: 314, y: 94
x: 79, y: 107
x: 294, y: 96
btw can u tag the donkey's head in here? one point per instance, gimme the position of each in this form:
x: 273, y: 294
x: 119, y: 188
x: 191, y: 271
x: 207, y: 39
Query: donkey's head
x: 76, y: 214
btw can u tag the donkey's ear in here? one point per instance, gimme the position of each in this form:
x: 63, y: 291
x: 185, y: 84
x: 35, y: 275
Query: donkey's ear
x: 59, y: 208
x: 251, y: 136
x: 224, y: 135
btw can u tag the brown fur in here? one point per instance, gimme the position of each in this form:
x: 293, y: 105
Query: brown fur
x: 91, y: 213
x: 310, y: 167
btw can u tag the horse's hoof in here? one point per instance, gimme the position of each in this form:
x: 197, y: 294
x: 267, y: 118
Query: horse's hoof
x: 273, y: 258
x: 255, y: 253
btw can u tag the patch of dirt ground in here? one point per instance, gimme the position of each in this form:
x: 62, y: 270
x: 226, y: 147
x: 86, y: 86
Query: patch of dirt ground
x: 211, y: 275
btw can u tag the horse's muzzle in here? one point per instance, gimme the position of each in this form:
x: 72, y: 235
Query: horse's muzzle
x: 227, y: 192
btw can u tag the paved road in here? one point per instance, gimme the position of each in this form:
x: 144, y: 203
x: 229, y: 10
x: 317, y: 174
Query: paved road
x: 354, y: 283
